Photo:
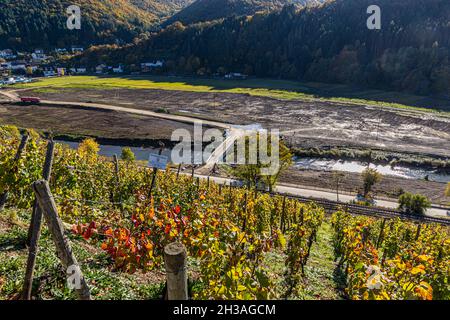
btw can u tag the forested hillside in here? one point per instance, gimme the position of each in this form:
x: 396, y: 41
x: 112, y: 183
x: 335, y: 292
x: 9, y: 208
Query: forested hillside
x: 42, y: 23
x: 207, y: 10
x: 329, y: 43
x: 161, y: 7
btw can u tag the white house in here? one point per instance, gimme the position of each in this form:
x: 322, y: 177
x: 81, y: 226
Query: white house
x: 100, y: 68
x: 61, y: 50
x: 118, y: 69
x: 147, y: 66
x: 18, y: 65
x: 7, y: 54
x: 76, y: 49
x: 78, y: 70
x: 49, y: 73
x: 5, y: 66
x: 235, y: 75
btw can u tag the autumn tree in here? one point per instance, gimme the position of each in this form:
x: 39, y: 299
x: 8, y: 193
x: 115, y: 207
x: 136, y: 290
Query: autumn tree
x: 370, y: 178
x: 127, y: 155
x: 254, y: 173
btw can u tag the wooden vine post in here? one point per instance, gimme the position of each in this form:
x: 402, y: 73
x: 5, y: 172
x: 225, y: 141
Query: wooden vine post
x: 380, y: 236
x: 34, y: 231
x: 175, y: 258
x: 20, y: 150
x: 117, y: 174
x: 244, y: 225
x: 283, y: 216
x: 178, y: 171
x: 155, y: 170
x: 419, y: 227
x: 63, y: 249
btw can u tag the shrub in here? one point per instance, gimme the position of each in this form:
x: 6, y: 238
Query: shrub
x: 416, y: 204
x: 127, y: 154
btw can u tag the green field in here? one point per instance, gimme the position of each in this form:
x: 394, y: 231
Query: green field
x: 279, y: 89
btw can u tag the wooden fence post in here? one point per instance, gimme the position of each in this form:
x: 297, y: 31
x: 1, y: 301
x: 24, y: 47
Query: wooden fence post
x: 117, y: 174
x: 295, y: 212
x: 380, y: 236
x: 283, y: 216
x: 419, y: 227
x: 301, y: 215
x: 178, y: 171
x: 176, y: 273
x: 63, y: 249
x: 34, y: 231
x: 23, y: 144
x: 20, y: 150
x: 155, y: 170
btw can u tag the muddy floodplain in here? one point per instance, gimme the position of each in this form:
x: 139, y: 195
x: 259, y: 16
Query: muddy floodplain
x: 304, y: 123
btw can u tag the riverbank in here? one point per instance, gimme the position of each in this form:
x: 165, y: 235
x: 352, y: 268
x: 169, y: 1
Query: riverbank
x: 413, y: 160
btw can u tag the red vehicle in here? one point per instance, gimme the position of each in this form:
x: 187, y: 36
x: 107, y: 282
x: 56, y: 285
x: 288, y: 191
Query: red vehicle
x: 30, y: 100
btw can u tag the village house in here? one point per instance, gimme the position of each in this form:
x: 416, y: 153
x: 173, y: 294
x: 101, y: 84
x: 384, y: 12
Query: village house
x: 7, y: 54
x: 61, y: 71
x: 77, y: 49
x: 32, y: 68
x: 79, y: 70
x: 38, y: 55
x: 18, y: 65
x: 61, y: 50
x: 236, y: 76
x: 49, y: 73
x: 100, y: 68
x: 148, y: 66
x: 5, y: 66
x: 118, y: 69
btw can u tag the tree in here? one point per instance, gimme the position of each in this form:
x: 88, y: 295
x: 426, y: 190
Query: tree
x: 415, y: 204
x: 285, y: 163
x: 370, y: 178
x: 88, y: 148
x: 337, y: 178
x: 127, y: 155
x: 253, y: 174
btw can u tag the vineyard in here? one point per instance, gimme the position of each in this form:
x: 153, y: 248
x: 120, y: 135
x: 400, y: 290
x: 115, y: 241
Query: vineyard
x: 127, y: 214
x: 392, y: 260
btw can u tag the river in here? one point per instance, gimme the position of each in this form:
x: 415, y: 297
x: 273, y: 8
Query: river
x: 319, y: 164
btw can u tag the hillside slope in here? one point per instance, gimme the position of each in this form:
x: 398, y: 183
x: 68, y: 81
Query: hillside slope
x: 42, y: 23
x: 329, y: 43
x: 207, y: 10
x: 162, y: 8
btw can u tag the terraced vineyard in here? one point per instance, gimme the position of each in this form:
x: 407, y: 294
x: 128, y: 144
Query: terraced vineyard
x: 232, y: 235
x: 392, y: 259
